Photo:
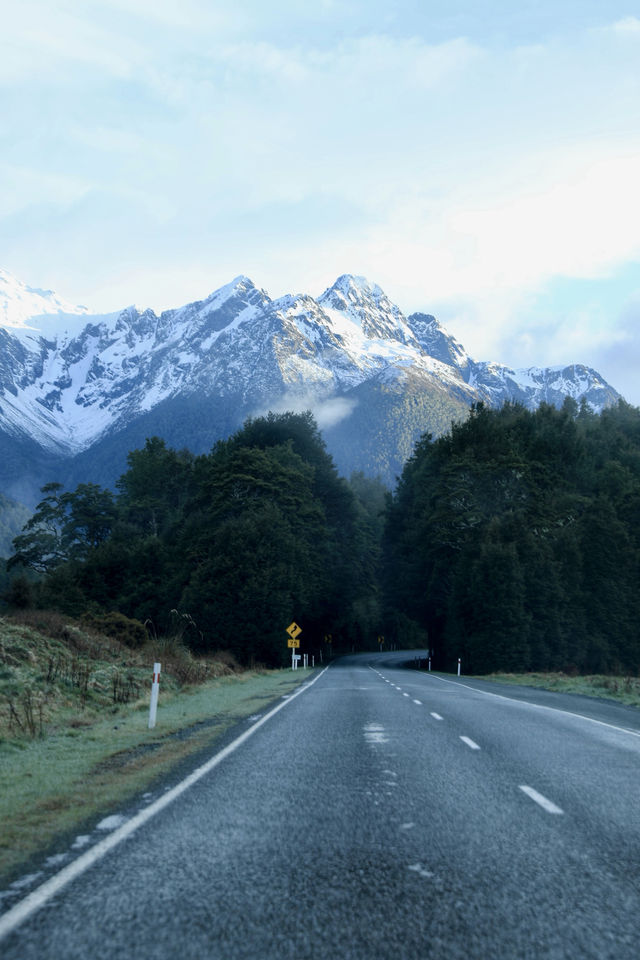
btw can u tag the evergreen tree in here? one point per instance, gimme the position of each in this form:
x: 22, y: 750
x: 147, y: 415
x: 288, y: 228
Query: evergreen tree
x: 515, y: 539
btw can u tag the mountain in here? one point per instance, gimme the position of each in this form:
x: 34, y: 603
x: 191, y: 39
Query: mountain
x: 79, y: 390
x: 19, y: 303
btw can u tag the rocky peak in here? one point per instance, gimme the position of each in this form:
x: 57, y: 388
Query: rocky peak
x: 368, y: 306
x: 435, y: 341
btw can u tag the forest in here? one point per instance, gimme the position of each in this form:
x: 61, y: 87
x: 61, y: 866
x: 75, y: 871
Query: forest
x: 511, y: 542
x: 227, y: 548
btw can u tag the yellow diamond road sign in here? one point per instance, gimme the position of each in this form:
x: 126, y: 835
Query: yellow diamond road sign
x: 294, y: 630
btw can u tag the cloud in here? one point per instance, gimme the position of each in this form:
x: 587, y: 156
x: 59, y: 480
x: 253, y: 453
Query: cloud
x: 628, y: 25
x: 153, y: 150
x: 327, y: 411
x: 615, y: 352
x: 26, y: 187
x: 42, y: 40
x: 581, y: 224
x: 333, y: 411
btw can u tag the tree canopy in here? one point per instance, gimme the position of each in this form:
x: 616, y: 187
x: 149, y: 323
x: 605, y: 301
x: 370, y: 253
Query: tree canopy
x: 513, y: 543
x: 241, y: 541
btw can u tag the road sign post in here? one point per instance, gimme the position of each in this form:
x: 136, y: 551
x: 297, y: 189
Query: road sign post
x: 294, y: 632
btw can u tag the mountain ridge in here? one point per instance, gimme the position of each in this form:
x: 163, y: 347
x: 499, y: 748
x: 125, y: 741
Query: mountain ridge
x: 71, y: 380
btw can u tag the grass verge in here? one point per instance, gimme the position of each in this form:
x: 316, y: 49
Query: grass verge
x: 73, y: 748
x: 621, y: 689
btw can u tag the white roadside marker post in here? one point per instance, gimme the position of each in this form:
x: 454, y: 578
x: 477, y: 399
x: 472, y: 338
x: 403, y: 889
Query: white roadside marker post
x: 155, y: 689
x: 458, y: 666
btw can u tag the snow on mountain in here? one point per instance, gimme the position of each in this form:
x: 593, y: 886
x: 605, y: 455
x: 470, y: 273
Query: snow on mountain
x: 361, y: 310
x: 532, y: 386
x: 495, y: 383
x: 68, y: 378
x: 20, y: 304
x: 436, y: 342
x: 65, y: 389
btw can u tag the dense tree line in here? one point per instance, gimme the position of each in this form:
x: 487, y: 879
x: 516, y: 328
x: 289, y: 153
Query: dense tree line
x: 513, y: 542
x: 235, y: 544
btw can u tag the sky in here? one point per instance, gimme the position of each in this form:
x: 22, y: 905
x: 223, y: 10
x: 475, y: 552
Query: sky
x: 479, y: 160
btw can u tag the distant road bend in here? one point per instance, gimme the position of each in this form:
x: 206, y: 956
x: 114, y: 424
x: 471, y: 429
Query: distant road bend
x: 378, y: 812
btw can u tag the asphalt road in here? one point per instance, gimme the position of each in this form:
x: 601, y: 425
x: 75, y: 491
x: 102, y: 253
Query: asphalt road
x: 381, y: 813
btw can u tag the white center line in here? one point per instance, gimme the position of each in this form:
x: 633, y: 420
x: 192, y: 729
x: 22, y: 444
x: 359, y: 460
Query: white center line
x: 419, y: 702
x: 405, y: 694
x: 544, y: 803
x: 436, y: 716
x: 470, y: 743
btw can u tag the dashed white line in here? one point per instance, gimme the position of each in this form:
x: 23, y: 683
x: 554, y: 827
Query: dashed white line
x: 419, y: 702
x: 405, y: 694
x: 470, y: 743
x: 545, y: 803
x: 436, y: 716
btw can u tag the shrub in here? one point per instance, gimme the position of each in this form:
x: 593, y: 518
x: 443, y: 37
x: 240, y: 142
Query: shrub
x: 19, y: 594
x: 116, y: 625
x: 50, y: 623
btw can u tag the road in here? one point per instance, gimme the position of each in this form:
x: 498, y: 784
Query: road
x: 379, y: 813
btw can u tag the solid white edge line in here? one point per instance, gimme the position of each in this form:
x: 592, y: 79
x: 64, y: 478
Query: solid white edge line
x: 25, y: 908
x: 470, y: 743
x: 538, y: 706
x: 546, y: 804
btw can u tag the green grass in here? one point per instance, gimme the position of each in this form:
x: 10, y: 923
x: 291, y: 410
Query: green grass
x: 70, y: 753
x: 621, y: 689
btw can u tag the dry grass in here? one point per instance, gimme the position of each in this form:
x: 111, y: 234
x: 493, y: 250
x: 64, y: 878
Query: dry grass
x: 55, y: 673
x: 622, y: 689
x: 74, y: 737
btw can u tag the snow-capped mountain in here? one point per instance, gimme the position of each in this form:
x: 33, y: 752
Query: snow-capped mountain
x: 20, y: 303
x: 496, y: 383
x: 66, y: 391
x: 73, y: 383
